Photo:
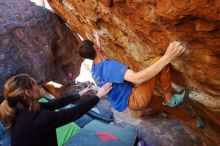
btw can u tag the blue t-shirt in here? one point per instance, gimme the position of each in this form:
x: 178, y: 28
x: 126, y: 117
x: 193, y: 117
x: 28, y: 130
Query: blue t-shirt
x: 113, y: 71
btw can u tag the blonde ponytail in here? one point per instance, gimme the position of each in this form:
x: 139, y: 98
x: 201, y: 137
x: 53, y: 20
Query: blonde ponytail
x: 7, y: 114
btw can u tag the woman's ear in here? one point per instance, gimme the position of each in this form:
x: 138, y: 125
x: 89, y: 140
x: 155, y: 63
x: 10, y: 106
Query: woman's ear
x: 28, y: 93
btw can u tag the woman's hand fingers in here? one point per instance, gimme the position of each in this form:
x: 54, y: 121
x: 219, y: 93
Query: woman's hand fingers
x: 107, y: 85
x: 104, y: 90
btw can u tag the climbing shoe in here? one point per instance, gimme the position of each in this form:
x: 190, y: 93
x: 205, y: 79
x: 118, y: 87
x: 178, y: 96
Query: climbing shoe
x: 176, y: 99
x: 201, y: 122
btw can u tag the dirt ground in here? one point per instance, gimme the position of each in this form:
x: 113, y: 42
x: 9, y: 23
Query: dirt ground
x: 157, y: 130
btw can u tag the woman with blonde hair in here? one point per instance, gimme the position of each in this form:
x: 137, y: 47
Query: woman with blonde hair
x: 32, y: 123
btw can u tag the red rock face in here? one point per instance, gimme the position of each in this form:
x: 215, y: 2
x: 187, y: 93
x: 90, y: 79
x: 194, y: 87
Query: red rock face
x: 136, y: 31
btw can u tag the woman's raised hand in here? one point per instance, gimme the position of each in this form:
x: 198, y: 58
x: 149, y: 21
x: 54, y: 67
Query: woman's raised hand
x: 104, y: 90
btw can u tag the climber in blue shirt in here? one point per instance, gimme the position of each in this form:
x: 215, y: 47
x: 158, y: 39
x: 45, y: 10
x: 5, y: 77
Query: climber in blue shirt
x: 134, y: 89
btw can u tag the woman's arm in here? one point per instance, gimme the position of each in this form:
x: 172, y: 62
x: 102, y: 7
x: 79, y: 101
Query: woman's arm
x: 49, y: 120
x: 61, y: 102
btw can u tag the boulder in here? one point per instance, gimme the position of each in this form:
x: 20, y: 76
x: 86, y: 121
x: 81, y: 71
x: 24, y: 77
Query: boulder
x: 34, y: 40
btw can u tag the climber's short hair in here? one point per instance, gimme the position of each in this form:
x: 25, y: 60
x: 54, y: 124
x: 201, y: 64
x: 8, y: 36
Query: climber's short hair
x: 87, y: 50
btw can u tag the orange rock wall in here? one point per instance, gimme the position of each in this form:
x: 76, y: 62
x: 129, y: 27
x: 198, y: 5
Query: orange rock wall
x: 137, y: 30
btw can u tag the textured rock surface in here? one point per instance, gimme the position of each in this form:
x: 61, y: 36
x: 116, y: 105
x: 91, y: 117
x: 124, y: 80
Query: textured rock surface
x: 137, y: 30
x: 33, y: 40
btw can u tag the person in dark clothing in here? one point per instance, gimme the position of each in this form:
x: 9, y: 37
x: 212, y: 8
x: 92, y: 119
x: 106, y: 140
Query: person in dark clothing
x: 33, y: 123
